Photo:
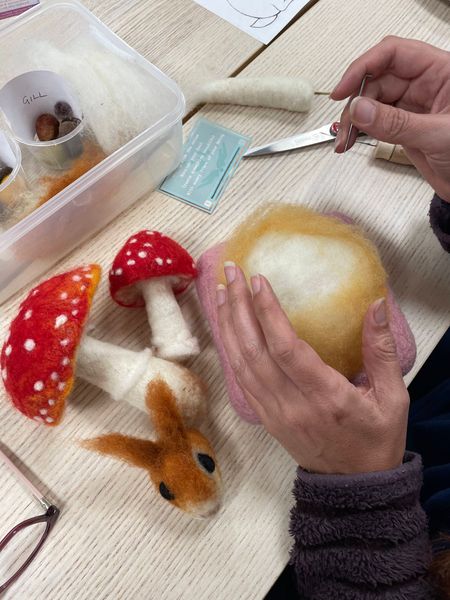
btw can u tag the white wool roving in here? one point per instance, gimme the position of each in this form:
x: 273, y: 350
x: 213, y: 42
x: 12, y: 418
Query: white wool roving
x: 119, y: 98
x: 287, y: 93
x: 304, y: 270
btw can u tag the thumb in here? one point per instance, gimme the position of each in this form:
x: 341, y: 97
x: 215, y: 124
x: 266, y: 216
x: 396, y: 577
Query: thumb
x: 397, y: 126
x: 379, y: 352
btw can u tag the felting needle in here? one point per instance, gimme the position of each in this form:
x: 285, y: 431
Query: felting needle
x: 361, y: 90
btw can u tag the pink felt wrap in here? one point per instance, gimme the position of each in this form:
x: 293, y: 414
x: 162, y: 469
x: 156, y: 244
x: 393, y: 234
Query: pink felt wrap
x: 206, y: 287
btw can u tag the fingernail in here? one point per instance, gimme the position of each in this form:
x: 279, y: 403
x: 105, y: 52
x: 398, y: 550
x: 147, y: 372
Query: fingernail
x: 221, y: 294
x: 380, y: 312
x: 363, y: 110
x: 230, y: 270
x: 255, y: 282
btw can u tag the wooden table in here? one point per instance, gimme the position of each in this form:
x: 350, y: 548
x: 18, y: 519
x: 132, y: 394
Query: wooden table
x: 116, y: 539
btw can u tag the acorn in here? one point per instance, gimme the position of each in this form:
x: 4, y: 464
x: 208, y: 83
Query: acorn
x: 5, y: 172
x: 63, y: 110
x: 47, y: 127
x: 67, y: 126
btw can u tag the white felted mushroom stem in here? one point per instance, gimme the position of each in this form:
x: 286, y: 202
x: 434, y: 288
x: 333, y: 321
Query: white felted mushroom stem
x: 287, y: 93
x: 113, y: 369
x: 171, y: 336
x: 125, y: 375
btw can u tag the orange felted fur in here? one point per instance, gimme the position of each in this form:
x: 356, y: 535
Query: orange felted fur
x: 172, y: 458
x: 328, y: 313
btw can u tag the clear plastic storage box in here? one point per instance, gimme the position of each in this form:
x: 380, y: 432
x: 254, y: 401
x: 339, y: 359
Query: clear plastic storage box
x: 133, y: 169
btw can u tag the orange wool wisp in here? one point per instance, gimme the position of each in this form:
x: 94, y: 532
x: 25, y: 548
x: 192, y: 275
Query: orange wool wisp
x: 325, y: 272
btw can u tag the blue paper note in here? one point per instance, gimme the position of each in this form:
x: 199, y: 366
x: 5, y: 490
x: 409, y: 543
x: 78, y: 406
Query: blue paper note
x: 211, y: 155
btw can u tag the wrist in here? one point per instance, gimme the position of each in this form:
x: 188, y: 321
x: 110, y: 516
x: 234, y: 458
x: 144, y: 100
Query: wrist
x: 409, y: 470
x: 443, y: 194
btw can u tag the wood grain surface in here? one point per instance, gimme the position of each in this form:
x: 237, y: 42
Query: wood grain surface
x: 116, y: 539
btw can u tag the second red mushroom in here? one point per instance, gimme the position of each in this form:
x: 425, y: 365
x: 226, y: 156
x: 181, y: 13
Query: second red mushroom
x: 151, y: 269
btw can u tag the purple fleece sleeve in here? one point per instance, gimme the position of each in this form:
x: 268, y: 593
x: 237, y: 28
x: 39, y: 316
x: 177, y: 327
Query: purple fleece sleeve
x: 361, y: 537
x: 440, y: 221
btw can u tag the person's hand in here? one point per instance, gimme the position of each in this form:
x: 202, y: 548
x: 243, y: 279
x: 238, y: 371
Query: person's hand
x: 326, y: 423
x: 406, y: 101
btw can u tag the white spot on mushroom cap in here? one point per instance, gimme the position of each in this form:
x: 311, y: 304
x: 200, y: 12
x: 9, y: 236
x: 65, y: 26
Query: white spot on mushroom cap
x: 119, y: 271
x: 76, y: 277
x: 159, y: 260
x: 60, y: 320
x: 38, y: 386
x: 61, y: 386
x: 150, y: 232
x: 133, y: 241
x: 89, y: 276
x: 142, y: 254
x: 74, y: 313
x: 131, y: 262
x: 38, y: 419
x: 28, y: 314
x: 43, y: 411
x: 54, y: 376
x: 8, y: 350
x: 85, y: 269
x: 64, y: 342
x: 49, y: 420
x: 128, y: 253
x: 75, y: 301
x: 35, y: 292
x: 148, y: 245
x: 4, y: 374
x: 64, y: 296
x: 51, y: 402
x: 82, y: 288
x: 65, y: 361
x: 169, y: 261
x: 29, y: 345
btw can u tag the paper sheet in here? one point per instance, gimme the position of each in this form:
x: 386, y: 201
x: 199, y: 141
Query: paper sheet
x: 262, y: 19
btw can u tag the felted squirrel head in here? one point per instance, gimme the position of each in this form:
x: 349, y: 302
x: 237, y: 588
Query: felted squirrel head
x: 181, y: 462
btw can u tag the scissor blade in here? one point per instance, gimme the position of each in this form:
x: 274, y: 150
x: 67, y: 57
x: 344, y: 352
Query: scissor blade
x: 309, y: 138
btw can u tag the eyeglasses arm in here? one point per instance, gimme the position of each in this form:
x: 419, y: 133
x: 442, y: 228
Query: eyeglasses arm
x: 26, y: 483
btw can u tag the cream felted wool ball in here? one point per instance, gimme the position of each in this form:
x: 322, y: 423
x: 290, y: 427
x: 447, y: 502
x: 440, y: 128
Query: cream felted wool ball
x: 325, y: 272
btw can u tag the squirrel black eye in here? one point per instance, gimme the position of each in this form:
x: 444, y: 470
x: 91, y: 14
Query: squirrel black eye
x: 206, y: 462
x: 165, y: 492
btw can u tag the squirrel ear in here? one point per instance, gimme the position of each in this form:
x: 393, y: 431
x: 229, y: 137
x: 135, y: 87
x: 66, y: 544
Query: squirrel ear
x: 140, y: 453
x: 166, y: 418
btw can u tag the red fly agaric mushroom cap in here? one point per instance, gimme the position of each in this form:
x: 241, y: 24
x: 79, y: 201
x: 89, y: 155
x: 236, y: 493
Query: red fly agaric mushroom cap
x: 149, y: 254
x: 39, y: 355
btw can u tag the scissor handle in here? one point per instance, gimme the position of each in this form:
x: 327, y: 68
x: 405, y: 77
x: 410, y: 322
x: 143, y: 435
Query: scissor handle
x: 334, y: 128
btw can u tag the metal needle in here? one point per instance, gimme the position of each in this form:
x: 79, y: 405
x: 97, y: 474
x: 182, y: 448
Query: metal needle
x: 361, y: 90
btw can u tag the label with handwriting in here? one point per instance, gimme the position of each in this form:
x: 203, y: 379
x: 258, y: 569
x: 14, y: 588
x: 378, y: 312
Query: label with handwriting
x: 34, y: 96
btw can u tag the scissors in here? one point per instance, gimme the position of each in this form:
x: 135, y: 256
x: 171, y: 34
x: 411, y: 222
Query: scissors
x: 327, y: 133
